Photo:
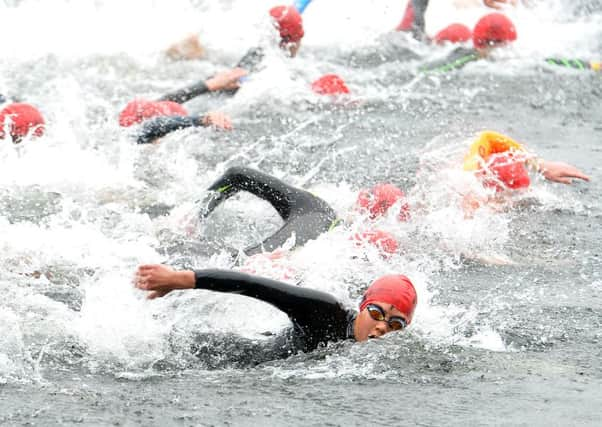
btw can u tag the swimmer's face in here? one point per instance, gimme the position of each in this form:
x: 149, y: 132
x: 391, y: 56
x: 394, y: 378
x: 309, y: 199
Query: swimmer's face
x: 366, y: 326
x: 290, y: 47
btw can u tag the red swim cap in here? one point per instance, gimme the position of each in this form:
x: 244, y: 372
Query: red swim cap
x: 408, y: 18
x: 396, y: 290
x: 329, y: 84
x: 138, y: 110
x: 380, y: 198
x: 492, y: 29
x: 454, y: 33
x: 381, y: 239
x: 288, y: 21
x: 508, y: 170
x: 22, y: 119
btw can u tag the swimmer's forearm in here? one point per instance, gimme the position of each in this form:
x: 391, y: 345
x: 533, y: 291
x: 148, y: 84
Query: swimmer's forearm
x: 184, y: 279
x: 160, y: 126
x: 187, y: 93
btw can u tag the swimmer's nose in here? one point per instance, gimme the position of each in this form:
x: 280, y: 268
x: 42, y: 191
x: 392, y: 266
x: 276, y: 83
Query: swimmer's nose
x: 379, y: 330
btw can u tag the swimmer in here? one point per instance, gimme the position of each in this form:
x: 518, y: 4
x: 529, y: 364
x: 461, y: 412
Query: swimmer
x: 491, y: 31
x: 413, y: 21
x: 304, y: 215
x: 317, y: 318
x: 166, y: 114
x: 286, y: 19
x: 20, y: 120
x: 502, y: 164
x: 154, y: 129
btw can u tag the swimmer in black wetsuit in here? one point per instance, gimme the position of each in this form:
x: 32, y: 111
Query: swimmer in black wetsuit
x: 317, y: 317
x: 304, y: 215
x: 492, y: 30
x: 289, y: 23
x: 154, y: 129
x: 166, y: 114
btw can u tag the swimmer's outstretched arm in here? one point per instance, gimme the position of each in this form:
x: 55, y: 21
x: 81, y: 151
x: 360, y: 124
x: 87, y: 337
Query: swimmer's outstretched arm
x: 252, y: 59
x: 457, y: 59
x: 559, y: 171
x: 308, y: 308
x: 225, y: 80
x: 158, y: 127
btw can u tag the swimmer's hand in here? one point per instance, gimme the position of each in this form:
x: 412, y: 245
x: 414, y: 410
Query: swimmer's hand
x: 498, y: 4
x: 225, y: 80
x: 560, y: 172
x: 160, y: 279
x: 188, y: 48
x: 217, y: 120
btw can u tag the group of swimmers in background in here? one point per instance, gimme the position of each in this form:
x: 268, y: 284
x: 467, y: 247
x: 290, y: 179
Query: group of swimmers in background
x: 500, y: 163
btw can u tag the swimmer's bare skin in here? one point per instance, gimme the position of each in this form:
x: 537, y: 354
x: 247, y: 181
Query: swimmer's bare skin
x: 217, y: 120
x: 560, y: 172
x: 498, y: 4
x: 189, y: 48
x: 226, y: 80
x: 160, y: 280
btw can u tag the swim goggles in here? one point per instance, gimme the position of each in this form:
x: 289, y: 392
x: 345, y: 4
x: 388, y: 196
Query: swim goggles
x: 376, y: 312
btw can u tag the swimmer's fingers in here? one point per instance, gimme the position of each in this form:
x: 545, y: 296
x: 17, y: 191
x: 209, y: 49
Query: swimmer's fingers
x: 218, y: 120
x: 498, y: 4
x: 157, y: 294
x: 226, y: 80
x: 154, y: 276
x: 561, y: 172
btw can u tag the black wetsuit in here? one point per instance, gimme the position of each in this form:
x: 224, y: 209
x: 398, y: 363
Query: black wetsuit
x: 158, y: 127
x: 317, y: 317
x: 249, y: 62
x: 304, y: 214
x: 161, y: 126
x: 461, y: 56
x: 578, y: 64
x: 458, y: 58
x: 419, y: 11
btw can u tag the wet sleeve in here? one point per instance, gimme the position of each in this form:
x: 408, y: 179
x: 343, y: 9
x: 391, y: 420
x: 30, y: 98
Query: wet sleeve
x: 578, y: 64
x: 419, y: 12
x: 182, y: 95
x: 308, y: 308
x: 252, y: 59
x: 279, y: 194
x: 455, y: 60
x: 161, y: 126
